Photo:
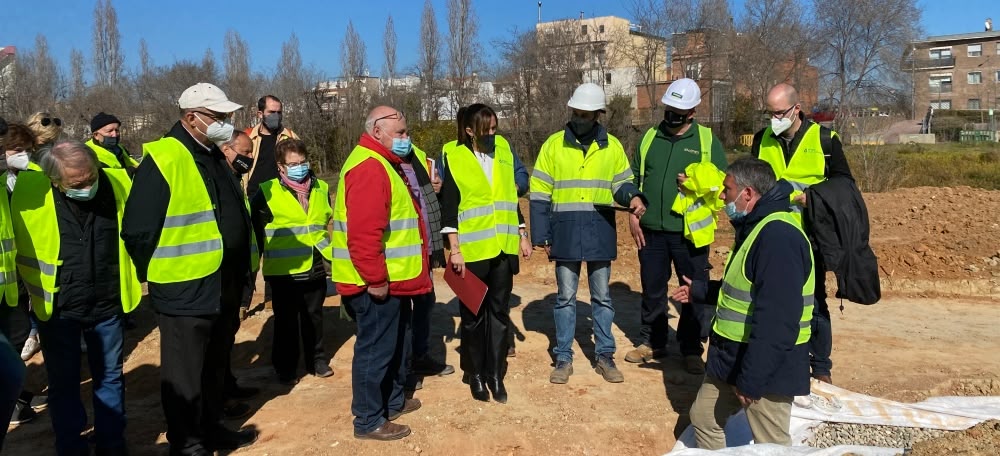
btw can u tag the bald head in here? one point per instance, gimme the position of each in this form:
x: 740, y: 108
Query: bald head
x: 782, y: 96
x: 385, y: 123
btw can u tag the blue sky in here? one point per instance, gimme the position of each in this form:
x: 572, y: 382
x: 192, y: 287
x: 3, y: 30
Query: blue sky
x: 183, y: 30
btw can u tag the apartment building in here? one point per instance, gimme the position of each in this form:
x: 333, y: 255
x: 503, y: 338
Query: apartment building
x: 956, y: 71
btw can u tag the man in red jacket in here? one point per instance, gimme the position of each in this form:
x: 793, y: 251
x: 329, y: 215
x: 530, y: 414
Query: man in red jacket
x: 379, y: 266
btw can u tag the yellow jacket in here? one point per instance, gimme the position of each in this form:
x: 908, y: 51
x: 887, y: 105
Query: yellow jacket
x: 699, y: 201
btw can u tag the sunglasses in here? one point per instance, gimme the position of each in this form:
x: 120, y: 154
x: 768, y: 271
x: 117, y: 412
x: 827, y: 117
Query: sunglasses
x: 54, y: 120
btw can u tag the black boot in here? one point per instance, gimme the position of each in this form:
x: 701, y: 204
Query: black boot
x: 495, y: 385
x: 478, y: 389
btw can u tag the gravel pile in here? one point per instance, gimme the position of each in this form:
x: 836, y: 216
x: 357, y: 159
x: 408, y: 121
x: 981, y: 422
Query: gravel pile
x: 833, y: 434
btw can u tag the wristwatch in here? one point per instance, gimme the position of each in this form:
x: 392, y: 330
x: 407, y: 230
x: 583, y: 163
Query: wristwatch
x: 523, y: 234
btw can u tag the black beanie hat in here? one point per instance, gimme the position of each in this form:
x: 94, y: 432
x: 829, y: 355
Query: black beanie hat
x: 101, y: 120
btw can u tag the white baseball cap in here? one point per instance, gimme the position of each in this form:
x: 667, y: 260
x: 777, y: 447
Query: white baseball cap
x: 208, y: 96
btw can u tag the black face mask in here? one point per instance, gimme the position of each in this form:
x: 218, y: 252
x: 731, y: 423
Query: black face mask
x: 487, y: 144
x: 581, y: 126
x: 242, y: 164
x: 674, y: 120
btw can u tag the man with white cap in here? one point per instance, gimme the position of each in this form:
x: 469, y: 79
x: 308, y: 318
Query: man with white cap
x: 659, y: 162
x: 187, y: 228
x: 581, y: 171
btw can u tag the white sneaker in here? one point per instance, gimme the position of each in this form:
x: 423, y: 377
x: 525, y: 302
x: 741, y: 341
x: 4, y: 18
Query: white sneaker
x: 31, y: 346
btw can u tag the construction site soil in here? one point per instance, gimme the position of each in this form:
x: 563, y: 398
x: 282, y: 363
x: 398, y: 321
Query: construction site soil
x: 933, y: 334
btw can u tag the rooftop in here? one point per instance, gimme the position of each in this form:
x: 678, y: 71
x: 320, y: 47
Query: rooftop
x: 959, y: 37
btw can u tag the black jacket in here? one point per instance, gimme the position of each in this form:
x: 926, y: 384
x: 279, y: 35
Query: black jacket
x: 778, y: 265
x: 143, y: 221
x: 837, y: 221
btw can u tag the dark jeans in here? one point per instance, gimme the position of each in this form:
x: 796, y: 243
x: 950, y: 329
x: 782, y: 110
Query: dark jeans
x: 11, y: 377
x: 821, y: 341
x: 380, y: 350
x: 193, y: 362
x: 484, y: 336
x: 663, y: 248
x: 60, y: 340
x: 423, y: 305
x: 298, y: 310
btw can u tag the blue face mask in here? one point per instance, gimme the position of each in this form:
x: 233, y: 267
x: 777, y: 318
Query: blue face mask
x: 82, y: 194
x: 298, y: 172
x: 735, y: 215
x: 401, y: 147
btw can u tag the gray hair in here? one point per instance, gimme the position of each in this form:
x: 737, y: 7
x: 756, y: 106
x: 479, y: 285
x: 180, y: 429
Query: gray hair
x: 232, y: 141
x: 67, y: 153
x: 750, y: 172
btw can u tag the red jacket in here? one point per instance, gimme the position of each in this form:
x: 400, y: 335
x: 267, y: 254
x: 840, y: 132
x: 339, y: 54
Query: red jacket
x: 367, y: 195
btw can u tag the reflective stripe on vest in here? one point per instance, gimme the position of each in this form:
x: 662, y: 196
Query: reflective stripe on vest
x: 8, y: 251
x: 487, y: 211
x: 401, y: 240
x: 581, y: 180
x: 807, y: 166
x: 292, y: 234
x: 190, y: 245
x: 735, y: 308
x: 36, y: 230
x: 704, y: 138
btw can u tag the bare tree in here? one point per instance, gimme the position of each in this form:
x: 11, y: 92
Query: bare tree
x: 37, y: 82
x: 76, y: 65
x: 648, y: 53
x: 108, y: 58
x: 429, y: 62
x: 209, y: 66
x: 862, y: 42
x: 354, y: 101
x: 145, y: 61
x: 463, y: 47
x: 389, y: 49
x: 240, y: 84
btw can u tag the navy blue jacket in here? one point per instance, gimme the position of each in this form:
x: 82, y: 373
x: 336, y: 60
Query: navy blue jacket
x: 778, y: 265
x: 585, y: 235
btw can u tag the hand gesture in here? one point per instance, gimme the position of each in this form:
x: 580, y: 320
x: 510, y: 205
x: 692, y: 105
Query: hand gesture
x: 682, y: 294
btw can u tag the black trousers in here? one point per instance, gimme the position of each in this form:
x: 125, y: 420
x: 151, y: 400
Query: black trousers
x: 298, y: 311
x: 195, y: 357
x: 485, y: 336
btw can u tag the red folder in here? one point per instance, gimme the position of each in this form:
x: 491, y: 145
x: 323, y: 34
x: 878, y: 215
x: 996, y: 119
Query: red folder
x: 469, y: 289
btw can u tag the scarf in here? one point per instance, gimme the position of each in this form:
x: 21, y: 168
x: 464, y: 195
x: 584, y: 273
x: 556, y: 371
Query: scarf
x: 301, y: 189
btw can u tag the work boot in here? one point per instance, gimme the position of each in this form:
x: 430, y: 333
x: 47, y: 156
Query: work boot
x: 644, y: 354
x: 560, y: 375
x: 606, y: 367
x: 694, y: 365
x: 425, y: 365
x: 387, y: 431
x: 411, y: 405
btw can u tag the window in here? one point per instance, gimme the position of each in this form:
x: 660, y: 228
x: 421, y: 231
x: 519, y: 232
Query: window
x: 998, y: 76
x: 998, y: 48
x: 940, y: 53
x: 973, y: 103
x: 941, y: 104
x: 600, y: 29
x: 583, y: 29
x: 975, y: 77
x: 940, y: 83
x: 692, y: 70
x: 607, y: 78
x: 976, y: 50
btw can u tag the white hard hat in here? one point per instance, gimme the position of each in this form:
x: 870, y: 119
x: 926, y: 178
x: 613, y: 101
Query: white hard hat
x: 588, y: 97
x: 683, y: 93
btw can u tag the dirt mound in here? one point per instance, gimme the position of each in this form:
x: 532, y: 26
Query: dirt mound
x: 983, y: 439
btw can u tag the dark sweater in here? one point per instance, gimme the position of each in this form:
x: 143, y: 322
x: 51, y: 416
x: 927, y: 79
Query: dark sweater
x: 143, y: 221
x: 778, y: 264
x: 89, y: 286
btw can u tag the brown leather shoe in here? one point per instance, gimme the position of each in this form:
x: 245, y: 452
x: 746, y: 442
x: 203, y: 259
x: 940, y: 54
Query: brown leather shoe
x: 824, y: 378
x: 387, y: 431
x: 409, y: 406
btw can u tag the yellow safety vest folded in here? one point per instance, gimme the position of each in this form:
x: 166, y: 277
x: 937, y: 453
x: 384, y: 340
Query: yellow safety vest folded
x: 699, y: 201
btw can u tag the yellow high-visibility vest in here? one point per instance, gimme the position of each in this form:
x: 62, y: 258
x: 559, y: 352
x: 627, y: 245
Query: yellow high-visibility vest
x: 8, y: 250
x: 732, y: 315
x: 402, y: 243
x: 487, y: 212
x: 36, y: 232
x: 108, y: 158
x: 807, y: 166
x: 293, y: 233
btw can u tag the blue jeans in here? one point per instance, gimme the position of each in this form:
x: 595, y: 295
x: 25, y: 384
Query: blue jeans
x: 11, y: 379
x: 380, y: 350
x: 603, y: 314
x: 60, y: 340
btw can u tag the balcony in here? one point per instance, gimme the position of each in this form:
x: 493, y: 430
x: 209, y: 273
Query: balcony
x: 928, y: 64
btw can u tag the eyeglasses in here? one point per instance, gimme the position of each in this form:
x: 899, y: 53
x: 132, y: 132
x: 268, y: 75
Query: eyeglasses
x: 780, y: 114
x: 54, y: 120
x: 394, y: 116
x: 220, y: 117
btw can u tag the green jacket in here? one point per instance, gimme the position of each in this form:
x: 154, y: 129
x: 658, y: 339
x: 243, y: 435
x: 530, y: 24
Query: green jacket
x: 668, y: 157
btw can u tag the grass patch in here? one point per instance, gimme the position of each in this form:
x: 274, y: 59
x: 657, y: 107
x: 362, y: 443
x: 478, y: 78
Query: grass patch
x: 935, y: 165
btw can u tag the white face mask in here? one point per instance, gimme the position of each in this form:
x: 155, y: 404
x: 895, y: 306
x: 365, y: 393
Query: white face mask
x: 218, y: 132
x: 779, y: 126
x: 18, y: 161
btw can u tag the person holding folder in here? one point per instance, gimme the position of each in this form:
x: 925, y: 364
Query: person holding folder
x: 485, y: 232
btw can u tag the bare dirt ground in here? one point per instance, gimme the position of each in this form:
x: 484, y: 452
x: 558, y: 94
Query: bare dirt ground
x: 933, y: 334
